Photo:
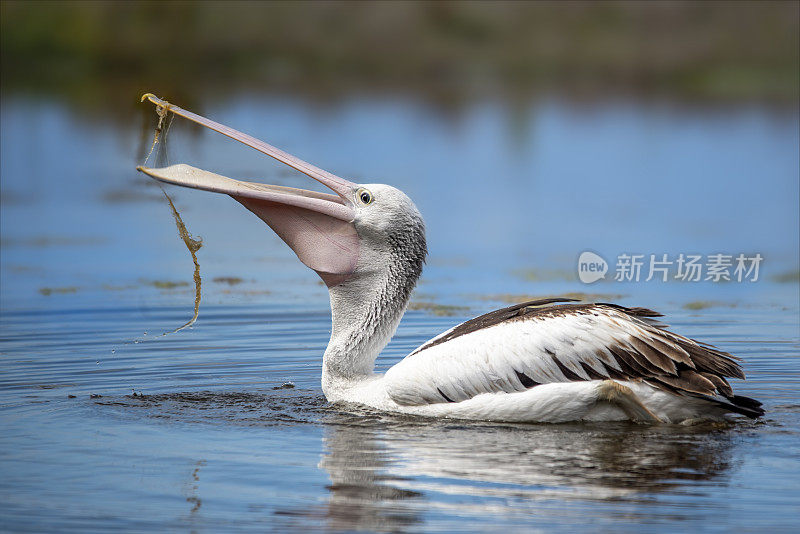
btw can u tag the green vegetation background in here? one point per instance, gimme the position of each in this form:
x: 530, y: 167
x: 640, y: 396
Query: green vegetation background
x: 451, y: 50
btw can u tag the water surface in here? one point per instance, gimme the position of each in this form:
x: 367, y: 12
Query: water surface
x: 109, y: 425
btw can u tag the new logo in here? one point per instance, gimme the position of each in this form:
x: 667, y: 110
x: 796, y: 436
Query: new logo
x: 591, y: 267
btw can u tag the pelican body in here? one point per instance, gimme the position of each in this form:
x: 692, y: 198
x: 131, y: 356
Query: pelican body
x: 551, y: 360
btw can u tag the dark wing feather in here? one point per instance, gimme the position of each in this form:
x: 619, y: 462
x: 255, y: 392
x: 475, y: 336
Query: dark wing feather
x: 489, y: 319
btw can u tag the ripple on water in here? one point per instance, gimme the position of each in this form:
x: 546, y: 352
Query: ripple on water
x: 280, y: 407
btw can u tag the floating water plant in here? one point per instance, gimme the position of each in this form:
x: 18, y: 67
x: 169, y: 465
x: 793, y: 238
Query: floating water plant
x: 192, y: 244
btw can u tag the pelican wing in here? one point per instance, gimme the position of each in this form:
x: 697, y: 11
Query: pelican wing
x: 526, y: 345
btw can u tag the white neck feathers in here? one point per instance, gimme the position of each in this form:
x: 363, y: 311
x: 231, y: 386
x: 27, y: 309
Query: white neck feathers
x: 365, y: 313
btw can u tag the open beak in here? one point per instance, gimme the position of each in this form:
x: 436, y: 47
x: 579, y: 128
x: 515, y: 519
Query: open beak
x: 317, y: 226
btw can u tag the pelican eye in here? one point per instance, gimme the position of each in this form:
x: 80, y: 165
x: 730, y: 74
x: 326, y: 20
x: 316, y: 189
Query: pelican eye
x: 364, y: 196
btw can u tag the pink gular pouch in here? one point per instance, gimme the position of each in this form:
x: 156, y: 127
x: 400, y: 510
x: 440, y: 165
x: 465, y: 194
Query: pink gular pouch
x: 317, y: 226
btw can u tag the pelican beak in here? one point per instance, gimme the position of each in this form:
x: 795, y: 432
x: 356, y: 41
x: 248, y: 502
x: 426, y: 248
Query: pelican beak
x: 317, y: 226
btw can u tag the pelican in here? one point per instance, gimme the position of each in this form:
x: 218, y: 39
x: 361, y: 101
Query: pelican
x: 551, y: 360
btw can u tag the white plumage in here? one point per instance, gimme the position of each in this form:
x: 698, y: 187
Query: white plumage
x: 554, y: 364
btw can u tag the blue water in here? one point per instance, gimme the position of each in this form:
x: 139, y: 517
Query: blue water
x: 107, y: 425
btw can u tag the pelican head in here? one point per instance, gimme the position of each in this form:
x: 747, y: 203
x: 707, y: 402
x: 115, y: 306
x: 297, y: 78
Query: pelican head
x: 354, y: 234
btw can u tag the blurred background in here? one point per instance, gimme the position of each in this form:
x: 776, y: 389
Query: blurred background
x: 99, y: 56
x: 445, y: 51
x: 525, y: 132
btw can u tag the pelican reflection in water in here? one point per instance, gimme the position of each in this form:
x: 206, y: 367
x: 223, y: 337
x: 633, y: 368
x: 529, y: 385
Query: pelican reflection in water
x: 384, y: 477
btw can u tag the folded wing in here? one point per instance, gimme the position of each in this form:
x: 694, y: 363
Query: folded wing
x: 529, y: 344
